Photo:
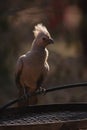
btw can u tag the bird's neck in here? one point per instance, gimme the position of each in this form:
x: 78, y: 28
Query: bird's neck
x: 40, y: 52
x: 37, y: 47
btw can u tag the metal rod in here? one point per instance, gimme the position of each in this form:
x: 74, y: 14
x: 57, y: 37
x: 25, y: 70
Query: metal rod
x: 84, y: 84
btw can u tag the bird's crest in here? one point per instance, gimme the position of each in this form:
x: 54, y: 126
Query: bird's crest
x: 40, y: 28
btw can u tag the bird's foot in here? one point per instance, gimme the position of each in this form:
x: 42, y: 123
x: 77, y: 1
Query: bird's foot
x: 42, y: 90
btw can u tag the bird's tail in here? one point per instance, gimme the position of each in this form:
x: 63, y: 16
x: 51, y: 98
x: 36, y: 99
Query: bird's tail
x: 33, y: 100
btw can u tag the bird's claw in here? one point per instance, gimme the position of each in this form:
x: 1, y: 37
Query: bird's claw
x: 42, y: 90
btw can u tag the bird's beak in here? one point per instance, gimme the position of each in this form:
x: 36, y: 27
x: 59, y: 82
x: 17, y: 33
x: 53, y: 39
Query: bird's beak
x: 51, y: 41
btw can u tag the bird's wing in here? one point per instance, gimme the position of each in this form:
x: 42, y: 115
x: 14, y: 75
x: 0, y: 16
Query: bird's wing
x: 19, y: 67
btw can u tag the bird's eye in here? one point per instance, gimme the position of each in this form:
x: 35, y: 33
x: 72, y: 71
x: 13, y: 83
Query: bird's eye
x: 44, y: 38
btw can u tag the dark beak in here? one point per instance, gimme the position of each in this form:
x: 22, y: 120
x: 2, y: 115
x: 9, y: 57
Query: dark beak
x: 51, y: 41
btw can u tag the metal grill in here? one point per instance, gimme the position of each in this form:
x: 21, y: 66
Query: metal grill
x: 43, y: 114
x: 43, y: 118
x: 53, y: 117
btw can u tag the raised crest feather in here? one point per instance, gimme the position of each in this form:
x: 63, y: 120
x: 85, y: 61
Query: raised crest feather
x: 40, y: 28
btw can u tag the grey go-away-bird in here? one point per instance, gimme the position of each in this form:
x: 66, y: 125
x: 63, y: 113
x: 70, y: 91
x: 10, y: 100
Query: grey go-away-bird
x: 32, y: 67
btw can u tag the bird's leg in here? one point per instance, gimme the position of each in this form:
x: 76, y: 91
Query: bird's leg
x: 26, y: 93
x: 23, y: 92
x: 42, y: 90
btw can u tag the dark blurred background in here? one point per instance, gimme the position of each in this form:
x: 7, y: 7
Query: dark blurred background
x: 66, y: 20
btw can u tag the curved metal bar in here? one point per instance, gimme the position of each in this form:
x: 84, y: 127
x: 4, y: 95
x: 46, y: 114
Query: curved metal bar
x: 61, y: 87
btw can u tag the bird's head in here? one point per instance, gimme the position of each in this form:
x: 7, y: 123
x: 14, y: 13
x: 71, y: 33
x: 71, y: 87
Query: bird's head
x: 42, y: 36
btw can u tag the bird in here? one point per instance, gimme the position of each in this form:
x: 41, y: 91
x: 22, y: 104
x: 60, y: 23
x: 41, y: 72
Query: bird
x: 32, y: 67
